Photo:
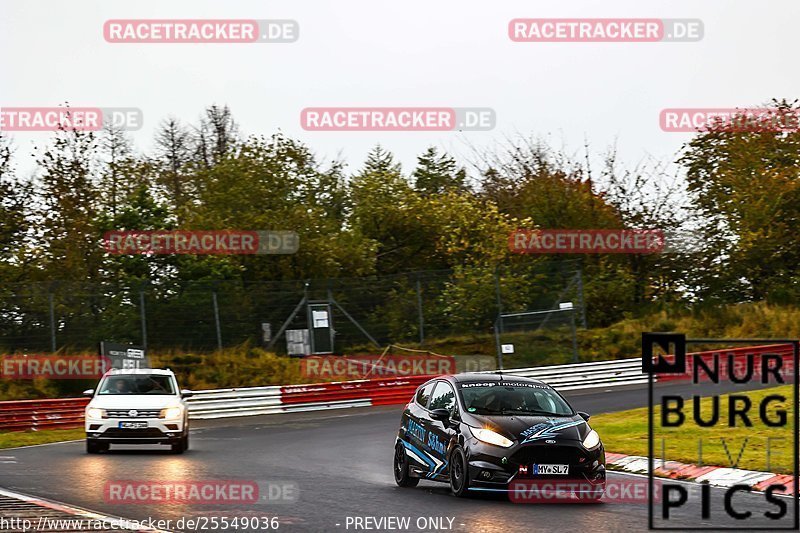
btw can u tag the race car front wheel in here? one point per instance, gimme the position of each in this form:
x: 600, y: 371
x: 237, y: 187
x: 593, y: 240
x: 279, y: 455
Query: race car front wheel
x: 401, y: 475
x: 459, y: 472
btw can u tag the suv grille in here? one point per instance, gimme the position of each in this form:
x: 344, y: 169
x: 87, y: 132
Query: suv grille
x: 133, y: 413
x: 144, y: 433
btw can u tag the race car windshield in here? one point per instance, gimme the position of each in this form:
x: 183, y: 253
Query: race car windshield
x: 132, y: 384
x: 509, y: 400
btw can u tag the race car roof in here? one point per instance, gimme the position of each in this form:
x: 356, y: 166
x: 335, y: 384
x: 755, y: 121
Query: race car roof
x: 475, y: 377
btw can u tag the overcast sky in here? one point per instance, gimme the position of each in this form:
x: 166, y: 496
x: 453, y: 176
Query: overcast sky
x: 413, y: 53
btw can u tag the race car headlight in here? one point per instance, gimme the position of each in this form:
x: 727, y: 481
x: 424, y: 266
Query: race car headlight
x: 491, y: 437
x: 94, y: 412
x: 592, y: 440
x: 171, y: 412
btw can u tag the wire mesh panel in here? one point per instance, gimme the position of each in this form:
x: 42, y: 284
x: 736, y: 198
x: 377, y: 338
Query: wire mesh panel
x: 366, y: 312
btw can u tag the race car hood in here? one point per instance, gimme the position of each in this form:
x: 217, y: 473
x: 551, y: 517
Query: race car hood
x: 532, y: 428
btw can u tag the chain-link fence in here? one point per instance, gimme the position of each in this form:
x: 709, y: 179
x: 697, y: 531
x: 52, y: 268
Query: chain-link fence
x: 204, y: 316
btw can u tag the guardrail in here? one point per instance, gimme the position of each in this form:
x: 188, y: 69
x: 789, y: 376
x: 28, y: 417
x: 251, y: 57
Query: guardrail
x: 586, y: 375
x: 224, y: 403
x: 251, y: 401
x: 42, y: 414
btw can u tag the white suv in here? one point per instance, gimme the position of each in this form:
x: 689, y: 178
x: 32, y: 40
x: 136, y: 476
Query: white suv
x: 142, y: 406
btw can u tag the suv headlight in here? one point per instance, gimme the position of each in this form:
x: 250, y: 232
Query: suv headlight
x: 491, y: 437
x: 592, y: 440
x: 171, y: 412
x: 94, y: 412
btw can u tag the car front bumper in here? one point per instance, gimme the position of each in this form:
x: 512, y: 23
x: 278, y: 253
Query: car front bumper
x: 503, y: 469
x: 158, y: 431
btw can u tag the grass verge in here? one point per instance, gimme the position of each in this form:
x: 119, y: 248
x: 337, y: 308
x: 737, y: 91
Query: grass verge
x: 15, y: 439
x: 626, y: 432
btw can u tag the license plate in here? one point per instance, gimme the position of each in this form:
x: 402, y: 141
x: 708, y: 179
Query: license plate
x: 550, y: 470
x: 132, y: 425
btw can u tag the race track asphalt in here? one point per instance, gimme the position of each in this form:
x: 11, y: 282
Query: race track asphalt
x: 341, y: 463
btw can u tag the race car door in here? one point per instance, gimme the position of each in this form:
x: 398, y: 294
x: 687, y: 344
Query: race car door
x: 440, y: 434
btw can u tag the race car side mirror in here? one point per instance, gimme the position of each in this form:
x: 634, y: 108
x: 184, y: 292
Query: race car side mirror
x: 442, y: 415
x: 185, y: 393
x: 583, y: 415
x: 88, y: 392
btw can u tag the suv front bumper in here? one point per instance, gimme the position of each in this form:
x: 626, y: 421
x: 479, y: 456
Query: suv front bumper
x: 158, y: 431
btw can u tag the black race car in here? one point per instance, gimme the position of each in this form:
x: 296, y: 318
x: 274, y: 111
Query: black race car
x: 494, y: 432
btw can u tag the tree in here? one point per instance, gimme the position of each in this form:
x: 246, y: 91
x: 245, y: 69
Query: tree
x: 69, y: 206
x: 276, y: 184
x: 527, y: 179
x: 117, y: 172
x: 15, y: 199
x: 217, y: 136
x: 173, y: 157
x: 438, y: 173
x: 745, y: 187
x: 385, y: 211
x: 651, y: 196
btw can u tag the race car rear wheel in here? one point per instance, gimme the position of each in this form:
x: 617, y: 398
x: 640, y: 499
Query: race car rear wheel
x: 401, y: 473
x: 459, y: 472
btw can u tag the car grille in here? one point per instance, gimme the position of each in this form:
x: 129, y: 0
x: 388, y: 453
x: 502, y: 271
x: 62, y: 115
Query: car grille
x: 126, y: 413
x: 549, y: 454
x: 143, y: 433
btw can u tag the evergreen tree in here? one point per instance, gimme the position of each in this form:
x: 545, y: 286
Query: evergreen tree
x: 438, y: 173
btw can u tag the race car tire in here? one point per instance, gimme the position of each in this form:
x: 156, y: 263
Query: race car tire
x: 459, y: 472
x: 401, y: 471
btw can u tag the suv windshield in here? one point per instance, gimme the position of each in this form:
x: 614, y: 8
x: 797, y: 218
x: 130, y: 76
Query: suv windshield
x: 136, y: 384
x: 513, y: 398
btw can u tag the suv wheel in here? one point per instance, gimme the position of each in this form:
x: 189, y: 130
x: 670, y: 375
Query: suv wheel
x: 182, y: 445
x: 96, y: 447
x: 401, y: 474
x: 459, y: 472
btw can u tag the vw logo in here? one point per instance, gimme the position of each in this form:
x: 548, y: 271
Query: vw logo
x: 133, y: 413
x: 550, y: 441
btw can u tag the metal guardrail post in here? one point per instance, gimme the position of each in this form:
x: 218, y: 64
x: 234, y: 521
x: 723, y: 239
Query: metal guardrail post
x: 143, y: 316
x: 52, y: 321
x: 421, y: 315
x: 216, y: 319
